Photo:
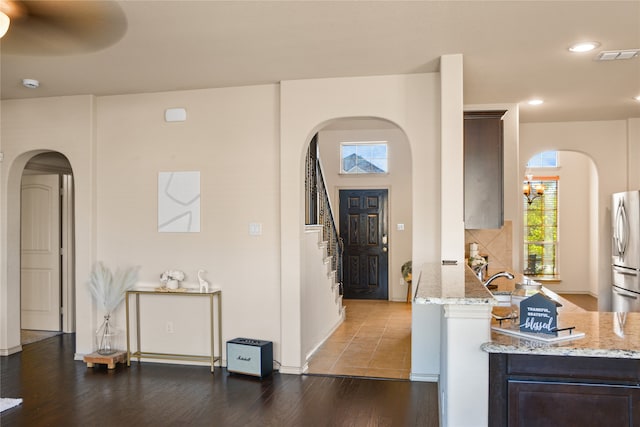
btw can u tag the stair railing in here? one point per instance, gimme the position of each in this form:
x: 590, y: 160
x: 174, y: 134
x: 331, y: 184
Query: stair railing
x: 319, y: 210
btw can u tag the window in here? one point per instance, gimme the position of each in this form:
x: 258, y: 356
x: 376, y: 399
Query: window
x: 363, y: 157
x: 541, y: 229
x: 546, y: 159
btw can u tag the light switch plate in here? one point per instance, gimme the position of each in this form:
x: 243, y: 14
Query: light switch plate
x: 400, y: 227
x: 255, y: 229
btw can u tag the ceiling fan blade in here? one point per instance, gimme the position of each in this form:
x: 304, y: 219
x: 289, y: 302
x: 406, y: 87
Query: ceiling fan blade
x: 62, y: 27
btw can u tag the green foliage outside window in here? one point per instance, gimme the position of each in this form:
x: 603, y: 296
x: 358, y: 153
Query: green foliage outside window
x: 541, y: 230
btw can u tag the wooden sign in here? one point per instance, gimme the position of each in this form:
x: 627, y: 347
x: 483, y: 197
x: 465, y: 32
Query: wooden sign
x: 539, y: 314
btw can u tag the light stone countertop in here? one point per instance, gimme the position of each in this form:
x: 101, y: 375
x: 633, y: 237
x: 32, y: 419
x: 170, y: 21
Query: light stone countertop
x: 450, y: 284
x: 612, y: 335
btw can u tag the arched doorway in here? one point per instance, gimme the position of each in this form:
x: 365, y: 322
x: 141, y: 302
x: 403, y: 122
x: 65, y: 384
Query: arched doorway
x: 47, y: 248
x: 30, y: 163
x: 384, y: 325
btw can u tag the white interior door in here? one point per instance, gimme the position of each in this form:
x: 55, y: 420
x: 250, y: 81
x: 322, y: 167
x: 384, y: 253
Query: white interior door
x: 40, y: 256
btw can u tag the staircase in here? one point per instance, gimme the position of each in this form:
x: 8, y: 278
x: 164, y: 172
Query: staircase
x: 321, y: 290
x: 320, y: 212
x: 314, y: 236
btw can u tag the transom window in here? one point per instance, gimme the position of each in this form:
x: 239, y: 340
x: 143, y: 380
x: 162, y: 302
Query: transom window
x: 546, y: 159
x: 367, y: 157
x: 541, y: 229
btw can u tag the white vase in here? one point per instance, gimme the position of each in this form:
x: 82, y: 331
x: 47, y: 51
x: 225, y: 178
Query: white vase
x: 173, y: 284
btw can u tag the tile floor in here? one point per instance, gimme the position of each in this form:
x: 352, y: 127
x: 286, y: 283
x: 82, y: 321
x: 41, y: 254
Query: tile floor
x: 584, y: 301
x: 28, y: 336
x: 373, y: 341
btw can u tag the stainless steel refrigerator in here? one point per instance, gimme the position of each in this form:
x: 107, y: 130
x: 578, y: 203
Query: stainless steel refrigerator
x: 625, y: 259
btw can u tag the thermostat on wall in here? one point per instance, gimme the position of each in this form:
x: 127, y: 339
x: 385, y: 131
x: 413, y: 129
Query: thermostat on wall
x: 175, y: 115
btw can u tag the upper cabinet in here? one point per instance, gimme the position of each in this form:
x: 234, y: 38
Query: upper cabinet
x: 483, y: 169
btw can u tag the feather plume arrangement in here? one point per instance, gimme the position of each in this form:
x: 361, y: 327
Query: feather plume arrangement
x: 109, y: 288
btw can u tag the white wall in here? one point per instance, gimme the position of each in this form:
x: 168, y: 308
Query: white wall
x: 633, y: 154
x: 426, y: 347
x: 409, y: 101
x: 451, y: 159
x: 320, y: 299
x: 117, y: 145
x: 231, y: 137
x: 575, y: 222
x: 30, y: 127
x: 593, y: 227
x: 607, y: 144
x: 397, y: 181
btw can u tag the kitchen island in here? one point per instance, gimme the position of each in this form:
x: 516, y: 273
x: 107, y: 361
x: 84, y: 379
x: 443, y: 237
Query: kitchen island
x: 489, y: 378
x: 534, y: 383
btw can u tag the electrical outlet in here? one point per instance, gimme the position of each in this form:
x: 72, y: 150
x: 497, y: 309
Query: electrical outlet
x: 169, y: 327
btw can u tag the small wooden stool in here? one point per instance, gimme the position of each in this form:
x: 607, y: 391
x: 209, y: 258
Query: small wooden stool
x: 106, y: 359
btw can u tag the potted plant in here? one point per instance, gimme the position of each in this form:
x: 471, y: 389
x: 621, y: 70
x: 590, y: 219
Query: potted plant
x: 406, y: 275
x: 109, y: 289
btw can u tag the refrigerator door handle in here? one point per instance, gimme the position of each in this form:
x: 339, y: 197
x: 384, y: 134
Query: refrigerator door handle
x: 621, y: 232
x: 625, y: 295
x: 625, y: 271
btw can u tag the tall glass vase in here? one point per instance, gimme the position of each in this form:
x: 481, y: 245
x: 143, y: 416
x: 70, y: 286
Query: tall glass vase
x: 105, y: 336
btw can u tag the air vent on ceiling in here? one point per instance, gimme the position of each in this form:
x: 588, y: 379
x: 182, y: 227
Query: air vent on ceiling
x: 611, y: 55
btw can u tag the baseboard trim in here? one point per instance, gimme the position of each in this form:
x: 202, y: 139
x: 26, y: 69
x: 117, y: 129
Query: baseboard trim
x: 11, y: 350
x: 327, y: 336
x: 294, y: 370
x: 425, y: 378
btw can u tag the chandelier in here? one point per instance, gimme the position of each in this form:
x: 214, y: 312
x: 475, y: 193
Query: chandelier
x: 532, y: 192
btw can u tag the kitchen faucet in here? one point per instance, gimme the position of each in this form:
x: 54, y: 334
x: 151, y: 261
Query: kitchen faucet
x: 495, y: 276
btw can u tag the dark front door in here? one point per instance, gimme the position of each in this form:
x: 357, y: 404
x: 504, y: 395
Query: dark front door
x: 363, y: 229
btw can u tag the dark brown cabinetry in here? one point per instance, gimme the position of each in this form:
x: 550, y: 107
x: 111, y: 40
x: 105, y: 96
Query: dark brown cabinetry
x: 483, y: 169
x: 534, y: 390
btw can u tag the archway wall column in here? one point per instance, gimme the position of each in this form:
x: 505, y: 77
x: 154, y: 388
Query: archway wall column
x: 29, y: 127
x: 634, y: 154
x: 412, y: 102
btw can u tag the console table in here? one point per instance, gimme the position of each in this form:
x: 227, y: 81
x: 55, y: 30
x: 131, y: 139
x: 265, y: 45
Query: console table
x: 214, y: 327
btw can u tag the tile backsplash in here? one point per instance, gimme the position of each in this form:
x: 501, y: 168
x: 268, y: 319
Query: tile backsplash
x: 496, y: 244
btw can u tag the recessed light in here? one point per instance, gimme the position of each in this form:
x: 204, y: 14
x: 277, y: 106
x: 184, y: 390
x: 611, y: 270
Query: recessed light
x: 535, y: 102
x: 583, y: 47
x: 637, y: 98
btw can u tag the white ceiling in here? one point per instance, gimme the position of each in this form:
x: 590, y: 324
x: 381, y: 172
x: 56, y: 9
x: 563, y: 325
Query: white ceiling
x: 513, y: 50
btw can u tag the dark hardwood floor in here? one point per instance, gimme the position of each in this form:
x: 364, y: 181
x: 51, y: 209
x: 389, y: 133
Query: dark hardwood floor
x: 59, y: 391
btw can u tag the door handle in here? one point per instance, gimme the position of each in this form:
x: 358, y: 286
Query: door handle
x: 384, y: 249
x: 621, y: 230
x: 625, y: 272
x: 384, y: 239
x: 617, y: 292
